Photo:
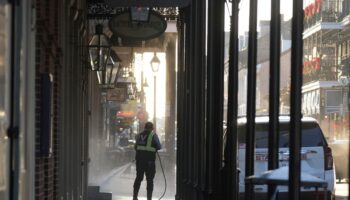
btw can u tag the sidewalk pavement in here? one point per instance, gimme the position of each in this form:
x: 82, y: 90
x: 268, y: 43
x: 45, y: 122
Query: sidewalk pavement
x: 120, y: 182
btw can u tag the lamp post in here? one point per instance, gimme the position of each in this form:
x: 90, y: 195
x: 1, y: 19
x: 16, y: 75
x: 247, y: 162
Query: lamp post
x: 344, y: 81
x: 144, y: 85
x: 155, y: 62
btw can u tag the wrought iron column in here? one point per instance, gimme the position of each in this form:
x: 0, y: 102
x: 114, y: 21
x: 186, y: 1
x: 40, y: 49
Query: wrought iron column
x: 231, y: 188
x: 186, y: 117
x: 250, y: 126
x: 199, y: 38
x: 180, y: 109
x: 215, y: 77
x: 275, y: 49
x: 295, y: 101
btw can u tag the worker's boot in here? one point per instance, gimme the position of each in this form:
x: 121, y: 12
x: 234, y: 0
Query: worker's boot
x: 135, y: 195
x: 137, y: 185
x: 149, y: 196
x: 149, y: 190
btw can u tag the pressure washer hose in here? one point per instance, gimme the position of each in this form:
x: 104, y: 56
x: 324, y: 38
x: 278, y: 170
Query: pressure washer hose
x: 161, y: 165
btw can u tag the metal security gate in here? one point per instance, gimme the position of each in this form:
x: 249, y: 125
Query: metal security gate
x: 207, y: 150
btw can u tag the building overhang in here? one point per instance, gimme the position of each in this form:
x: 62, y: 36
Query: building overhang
x: 149, y: 3
x: 322, y: 26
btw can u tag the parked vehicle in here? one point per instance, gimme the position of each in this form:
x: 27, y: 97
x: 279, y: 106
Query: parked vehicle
x: 316, y: 155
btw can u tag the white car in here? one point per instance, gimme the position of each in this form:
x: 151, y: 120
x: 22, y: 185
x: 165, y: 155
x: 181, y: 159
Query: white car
x: 316, y: 156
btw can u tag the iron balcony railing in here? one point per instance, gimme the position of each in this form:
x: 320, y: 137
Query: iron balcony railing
x: 322, y: 11
x: 323, y: 16
x: 324, y: 69
x: 325, y: 75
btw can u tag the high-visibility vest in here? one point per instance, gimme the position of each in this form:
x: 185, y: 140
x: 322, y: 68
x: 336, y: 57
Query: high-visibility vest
x: 148, y: 146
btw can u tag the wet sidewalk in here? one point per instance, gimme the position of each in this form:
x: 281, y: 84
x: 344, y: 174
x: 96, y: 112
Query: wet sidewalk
x: 120, y: 182
x: 341, y: 191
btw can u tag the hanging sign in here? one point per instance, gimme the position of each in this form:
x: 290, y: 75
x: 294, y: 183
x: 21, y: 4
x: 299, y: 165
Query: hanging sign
x: 117, y: 94
x: 148, y: 3
x: 122, y: 26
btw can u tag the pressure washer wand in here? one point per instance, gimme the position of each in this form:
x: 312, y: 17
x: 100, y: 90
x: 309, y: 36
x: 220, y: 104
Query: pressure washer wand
x: 161, y: 165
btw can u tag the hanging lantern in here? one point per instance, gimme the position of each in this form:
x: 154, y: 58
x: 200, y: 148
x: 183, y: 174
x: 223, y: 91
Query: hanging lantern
x: 106, y: 78
x: 99, y: 49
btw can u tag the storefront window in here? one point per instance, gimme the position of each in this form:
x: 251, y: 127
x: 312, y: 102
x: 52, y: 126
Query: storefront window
x: 4, y: 83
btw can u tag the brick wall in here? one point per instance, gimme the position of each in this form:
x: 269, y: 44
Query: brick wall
x: 48, y: 60
x: 59, y: 173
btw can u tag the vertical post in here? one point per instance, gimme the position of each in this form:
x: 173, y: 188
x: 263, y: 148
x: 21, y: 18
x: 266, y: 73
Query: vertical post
x: 197, y: 57
x: 329, y: 125
x: 342, y: 112
x: 14, y: 92
x: 155, y: 104
x: 105, y: 132
x: 215, y: 86
x: 295, y: 111
x: 142, y: 97
x: 250, y: 126
x: 180, y: 158
x: 170, y: 100
x: 231, y: 143
x: 348, y: 131
x: 275, y: 46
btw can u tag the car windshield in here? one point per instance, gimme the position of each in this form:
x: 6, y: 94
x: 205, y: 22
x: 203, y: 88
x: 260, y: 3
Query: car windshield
x: 311, y: 135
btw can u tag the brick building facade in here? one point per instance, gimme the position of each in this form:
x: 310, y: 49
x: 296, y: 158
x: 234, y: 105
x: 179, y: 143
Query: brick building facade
x: 61, y: 99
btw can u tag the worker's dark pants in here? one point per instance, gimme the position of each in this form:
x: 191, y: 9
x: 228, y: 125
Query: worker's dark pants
x: 148, y: 168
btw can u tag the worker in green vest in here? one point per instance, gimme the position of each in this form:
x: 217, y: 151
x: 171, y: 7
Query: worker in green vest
x: 147, y: 144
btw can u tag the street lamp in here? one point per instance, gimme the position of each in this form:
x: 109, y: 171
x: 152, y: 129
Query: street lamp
x: 106, y: 78
x: 99, y: 49
x: 145, y: 83
x: 155, y: 62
